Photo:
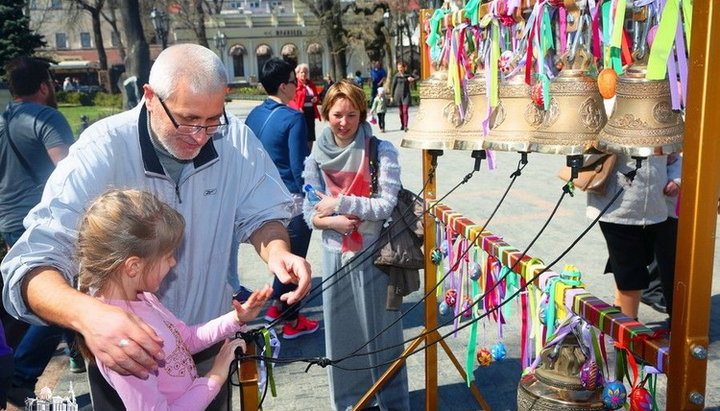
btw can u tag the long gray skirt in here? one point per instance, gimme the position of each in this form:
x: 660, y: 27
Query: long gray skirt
x: 354, y: 312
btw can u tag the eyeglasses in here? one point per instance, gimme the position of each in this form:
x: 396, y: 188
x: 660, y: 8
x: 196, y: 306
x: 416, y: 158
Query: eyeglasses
x: 193, y: 129
x: 293, y: 81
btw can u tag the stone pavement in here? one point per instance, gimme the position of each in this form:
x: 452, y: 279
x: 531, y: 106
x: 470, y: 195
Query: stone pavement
x: 522, y: 214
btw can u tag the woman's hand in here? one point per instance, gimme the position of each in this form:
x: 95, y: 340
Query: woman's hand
x: 314, y: 100
x: 672, y: 189
x: 326, y: 206
x: 347, y: 224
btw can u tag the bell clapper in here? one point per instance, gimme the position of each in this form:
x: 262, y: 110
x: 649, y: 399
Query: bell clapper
x: 575, y: 162
x: 479, y: 156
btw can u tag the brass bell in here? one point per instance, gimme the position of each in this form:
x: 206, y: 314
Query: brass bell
x: 514, y: 119
x: 470, y: 134
x: 643, y: 122
x: 555, y: 385
x: 576, y: 112
x: 437, y: 117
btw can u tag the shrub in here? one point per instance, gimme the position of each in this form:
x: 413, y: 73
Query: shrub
x: 108, y: 100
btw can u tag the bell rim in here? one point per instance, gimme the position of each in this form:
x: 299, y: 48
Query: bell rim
x: 639, y: 151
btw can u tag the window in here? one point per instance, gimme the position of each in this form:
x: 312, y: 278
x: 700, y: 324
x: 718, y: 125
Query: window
x: 315, y: 65
x: 85, y: 40
x: 239, y: 65
x: 114, y: 39
x: 56, y: 4
x: 60, y: 41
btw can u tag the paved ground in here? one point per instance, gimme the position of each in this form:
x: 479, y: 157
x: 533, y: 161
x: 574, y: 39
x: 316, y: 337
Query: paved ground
x: 520, y: 217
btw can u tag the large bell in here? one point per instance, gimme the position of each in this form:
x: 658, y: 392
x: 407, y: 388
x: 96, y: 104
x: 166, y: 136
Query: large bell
x: 470, y: 134
x: 437, y: 117
x: 514, y: 119
x: 576, y: 112
x: 555, y: 385
x: 643, y: 122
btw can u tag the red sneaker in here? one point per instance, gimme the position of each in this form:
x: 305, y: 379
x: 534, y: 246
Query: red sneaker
x: 272, y: 313
x: 303, y: 327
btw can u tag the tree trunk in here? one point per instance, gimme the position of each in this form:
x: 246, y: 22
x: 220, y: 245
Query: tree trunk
x: 137, y: 62
x: 200, y: 24
x: 97, y: 33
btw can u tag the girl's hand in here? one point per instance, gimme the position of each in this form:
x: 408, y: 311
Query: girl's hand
x: 226, y: 355
x: 326, y: 206
x: 250, y: 309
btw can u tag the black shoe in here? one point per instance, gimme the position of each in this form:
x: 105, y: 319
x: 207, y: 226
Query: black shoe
x: 657, y: 303
x: 16, y: 395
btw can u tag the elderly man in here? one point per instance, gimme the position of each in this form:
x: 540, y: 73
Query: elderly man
x: 181, y: 145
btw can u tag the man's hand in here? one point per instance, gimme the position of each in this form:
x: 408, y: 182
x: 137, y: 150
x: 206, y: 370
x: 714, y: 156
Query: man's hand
x: 121, y: 340
x: 290, y: 268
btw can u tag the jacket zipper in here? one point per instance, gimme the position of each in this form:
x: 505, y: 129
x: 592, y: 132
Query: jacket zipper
x: 177, y: 193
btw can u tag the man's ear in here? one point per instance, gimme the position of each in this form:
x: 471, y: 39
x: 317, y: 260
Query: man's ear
x: 148, y: 92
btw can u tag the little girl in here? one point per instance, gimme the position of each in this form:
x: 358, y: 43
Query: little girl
x: 126, y: 243
x: 379, y: 107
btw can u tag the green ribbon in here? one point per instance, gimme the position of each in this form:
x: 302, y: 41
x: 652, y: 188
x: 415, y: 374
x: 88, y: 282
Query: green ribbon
x: 687, y: 6
x: 433, y: 39
x: 471, y: 9
x: 494, y: 58
x: 616, y: 42
x: 512, y: 284
x: 268, y: 366
x: 472, y: 341
x: 663, y: 43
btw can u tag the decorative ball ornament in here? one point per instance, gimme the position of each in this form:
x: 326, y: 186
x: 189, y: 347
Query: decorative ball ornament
x: 466, y: 309
x: 607, y: 83
x: 498, y: 351
x: 445, y: 247
x: 484, y: 357
x: 614, y: 395
x: 451, y: 297
x: 474, y: 270
x: 536, y: 94
x: 590, y: 376
x: 505, y: 62
x: 640, y: 399
x: 443, y: 308
x: 436, y: 256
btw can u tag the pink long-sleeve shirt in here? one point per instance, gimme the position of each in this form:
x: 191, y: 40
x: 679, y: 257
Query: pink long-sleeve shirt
x: 176, y: 385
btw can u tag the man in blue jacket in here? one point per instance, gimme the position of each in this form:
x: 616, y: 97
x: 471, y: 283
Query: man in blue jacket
x: 283, y: 133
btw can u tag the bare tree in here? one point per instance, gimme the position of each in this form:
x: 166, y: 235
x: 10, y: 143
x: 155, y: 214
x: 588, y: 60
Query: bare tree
x: 137, y: 62
x: 94, y: 7
x: 192, y: 13
x: 110, y: 15
x: 330, y: 15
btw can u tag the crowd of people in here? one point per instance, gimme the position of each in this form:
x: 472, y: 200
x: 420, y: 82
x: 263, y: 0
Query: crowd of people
x: 115, y: 229
x: 117, y: 233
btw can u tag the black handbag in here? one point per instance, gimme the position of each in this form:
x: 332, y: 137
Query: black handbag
x: 401, y: 238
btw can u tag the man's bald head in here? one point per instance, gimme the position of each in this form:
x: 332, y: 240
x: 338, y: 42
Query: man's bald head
x: 195, y: 67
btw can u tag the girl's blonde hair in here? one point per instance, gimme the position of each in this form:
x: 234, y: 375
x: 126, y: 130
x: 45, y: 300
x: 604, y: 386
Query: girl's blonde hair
x: 349, y: 90
x: 120, y: 224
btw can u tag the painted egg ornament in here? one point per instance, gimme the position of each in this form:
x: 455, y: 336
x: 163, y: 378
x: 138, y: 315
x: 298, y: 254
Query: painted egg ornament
x: 505, y: 62
x: 640, y: 399
x: 484, y: 358
x: 466, y: 309
x: 498, y: 351
x: 590, y: 376
x: 445, y: 247
x: 443, y: 308
x: 607, y: 83
x: 436, y: 256
x: 536, y: 94
x: 474, y: 271
x: 451, y: 297
x: 614, y: 395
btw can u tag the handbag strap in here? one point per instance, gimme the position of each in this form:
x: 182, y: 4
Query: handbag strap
x: 374, y: 164
x: 21, y: 159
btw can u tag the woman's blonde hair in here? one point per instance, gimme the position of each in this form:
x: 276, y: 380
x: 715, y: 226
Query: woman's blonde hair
x: 121, y: 224
x: 346, y: 89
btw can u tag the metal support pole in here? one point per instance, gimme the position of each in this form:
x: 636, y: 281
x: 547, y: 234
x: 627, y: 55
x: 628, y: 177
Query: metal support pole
x: 698, y: 216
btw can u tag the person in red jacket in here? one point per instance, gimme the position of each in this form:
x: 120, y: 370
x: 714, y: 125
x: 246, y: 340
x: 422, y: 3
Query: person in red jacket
x: 306, y: 100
